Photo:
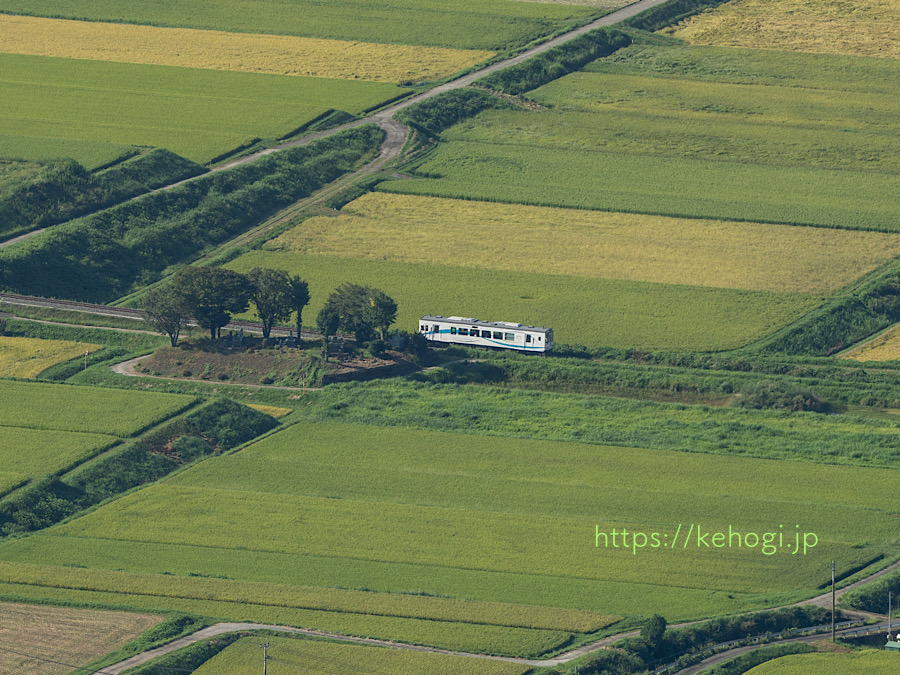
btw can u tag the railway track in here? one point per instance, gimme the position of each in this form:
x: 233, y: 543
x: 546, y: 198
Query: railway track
x: 136, y: 314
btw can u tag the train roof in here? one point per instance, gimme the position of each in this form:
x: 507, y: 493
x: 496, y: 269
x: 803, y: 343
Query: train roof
x: 492, y: 324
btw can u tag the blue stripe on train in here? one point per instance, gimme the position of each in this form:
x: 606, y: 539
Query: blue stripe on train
x: 508, y: 345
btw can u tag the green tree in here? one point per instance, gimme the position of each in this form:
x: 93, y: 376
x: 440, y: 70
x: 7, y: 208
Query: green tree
x: 383, y: 310
x: 327, y: 323
x: 361, y: 309
x: 271, y: 293
x: 299, y: 300
x: 213, y: 294
x: 167, y: 311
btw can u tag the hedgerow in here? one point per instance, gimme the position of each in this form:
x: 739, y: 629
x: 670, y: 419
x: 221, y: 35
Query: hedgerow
x: 556, y: 62
x: 101, y: 257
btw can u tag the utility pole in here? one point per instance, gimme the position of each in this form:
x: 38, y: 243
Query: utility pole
x: 890, y: 628
x: 265, y: 655
x: 832, y: 601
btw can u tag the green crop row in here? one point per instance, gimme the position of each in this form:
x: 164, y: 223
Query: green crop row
x: 219, y: 425
x: 511, y: 541
x: 198, y: 114
x: 648, y: 378
x: 754, y: 66
x: 304, y: 597
x: 807, y: 437
x: 330, y: 658
x: 388, y: 577
x: 100, y: 257
x: 89, y: 153
x: 468, y: 637
x: 472, y: 24
x: 40, y: 451
x: 751, y: 123
x: 635, y: 183
x: 580, y: 310
x: 99, y: 411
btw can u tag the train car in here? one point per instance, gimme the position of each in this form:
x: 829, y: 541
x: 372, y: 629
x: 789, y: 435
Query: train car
x: 460, y: 330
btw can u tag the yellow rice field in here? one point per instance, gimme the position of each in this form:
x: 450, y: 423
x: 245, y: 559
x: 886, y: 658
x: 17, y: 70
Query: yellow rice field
x: 886, y: 347
x: 271, y: 410
x: 28, y: 357
x: 488, y: 235
x: 219, y: 50
x: 858, y: 27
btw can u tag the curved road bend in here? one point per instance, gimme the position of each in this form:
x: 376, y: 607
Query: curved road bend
x: 396, y: 133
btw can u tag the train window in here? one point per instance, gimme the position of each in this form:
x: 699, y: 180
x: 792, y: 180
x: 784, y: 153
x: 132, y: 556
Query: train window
x: 539, y: 338
x: 452, y: 330
x: 510, y: 336
x: 486, y: 333
x: 424, y: 327
x: 498, y: 335
x: 527, y: 338
x: 435, y: 328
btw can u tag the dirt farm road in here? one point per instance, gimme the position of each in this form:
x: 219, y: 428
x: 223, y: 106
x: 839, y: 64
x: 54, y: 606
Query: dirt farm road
x: 396, y: 133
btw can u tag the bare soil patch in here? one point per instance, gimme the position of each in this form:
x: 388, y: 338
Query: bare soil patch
x: 256, y: 364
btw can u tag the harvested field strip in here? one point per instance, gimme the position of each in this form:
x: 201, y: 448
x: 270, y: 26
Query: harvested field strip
x: 85, y: 409
x: 886, y: 347
x: 63, y: 634
x: 620, y: 313
x: 245, y: 52
x: 859, y: 27
x: 198, y: 114
x: 38, y: 451
x: 444, y: 634
x: 300, y: 597
x: 28, y: 357
x: 487, y: 235
x: 606, y: 181
x: 463, y: 24
x: 325, y: 658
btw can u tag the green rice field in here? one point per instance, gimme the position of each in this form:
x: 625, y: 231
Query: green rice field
x: 580, y: 310
x: 196, y: 113
x: 754, y: 66
x: 90, y: 154
x: 854, y: 663
x: 33, y: 452
x: 609, y: 181
x: 9, y: 481
x: 325, y: 658
x: 489, y: 519
x: 470, y: 24
x: 690, y: 131
x: 84, y: 409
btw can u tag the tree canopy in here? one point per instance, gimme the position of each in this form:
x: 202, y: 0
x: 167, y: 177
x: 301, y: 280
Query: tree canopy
x: 213, y: 294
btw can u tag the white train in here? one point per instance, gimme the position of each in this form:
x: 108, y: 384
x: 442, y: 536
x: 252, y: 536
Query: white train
x: 498, y: 334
